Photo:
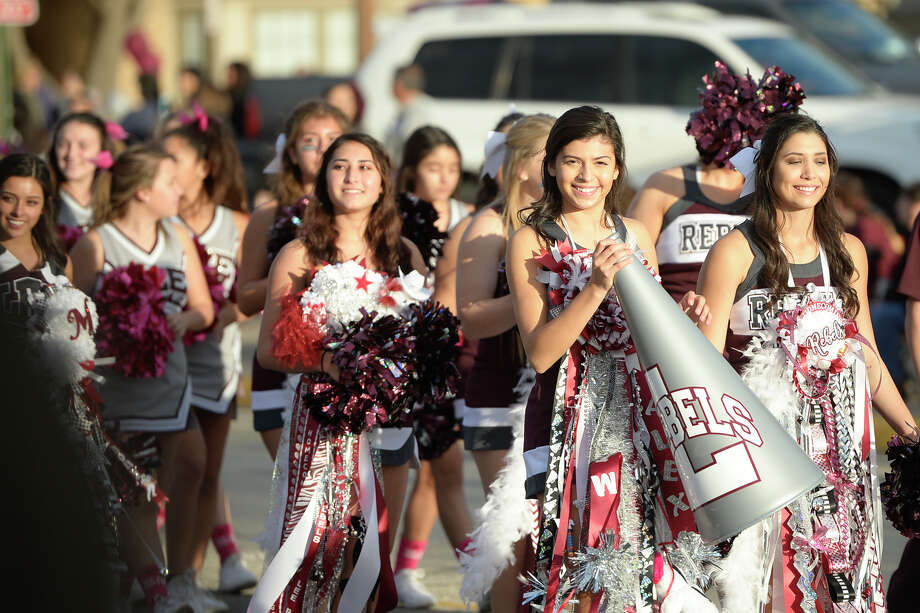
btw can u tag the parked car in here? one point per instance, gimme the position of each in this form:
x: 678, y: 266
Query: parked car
x: 866, y: 41
x: 643, y: 63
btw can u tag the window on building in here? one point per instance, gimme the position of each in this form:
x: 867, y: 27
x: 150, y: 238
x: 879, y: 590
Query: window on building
x: 286, y: 43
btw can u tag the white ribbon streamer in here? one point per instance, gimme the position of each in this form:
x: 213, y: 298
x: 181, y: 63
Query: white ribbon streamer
x: 288, y: 559
x: 364, y: 576
x: 494, y: 154
x: 745, y: 162
x: 274, y: 167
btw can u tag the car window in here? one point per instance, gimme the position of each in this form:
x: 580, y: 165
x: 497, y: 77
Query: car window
x: 851, y: 31
x: 664, y: 70
x: 608, y: 68
x: 460, y: 68
x: 818, y: 73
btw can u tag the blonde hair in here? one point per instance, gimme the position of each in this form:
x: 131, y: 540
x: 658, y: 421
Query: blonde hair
x: 134, y: 169
x: 525, y: 139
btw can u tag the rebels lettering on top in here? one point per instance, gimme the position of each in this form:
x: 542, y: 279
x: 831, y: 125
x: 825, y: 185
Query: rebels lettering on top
x: 701, y: 235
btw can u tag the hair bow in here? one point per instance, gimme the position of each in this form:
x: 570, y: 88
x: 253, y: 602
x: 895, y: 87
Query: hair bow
x: 198, y: 116
x: 745, y: 162
x: 494, y: 154
x: 274, y: 167
x: 104, y: 160
x: 115, y: 131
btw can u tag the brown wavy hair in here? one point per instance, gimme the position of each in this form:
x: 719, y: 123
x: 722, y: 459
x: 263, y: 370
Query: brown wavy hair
x: 287, y: 184
x: 224, y: 183
x: 383, y: 233
x: 44, y: 233
x: 576, y: 124
x: 134, y: 169
x: 826, y: 226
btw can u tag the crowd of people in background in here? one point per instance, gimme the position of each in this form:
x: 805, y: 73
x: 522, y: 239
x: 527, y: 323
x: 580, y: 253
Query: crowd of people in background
x: 164, y: 187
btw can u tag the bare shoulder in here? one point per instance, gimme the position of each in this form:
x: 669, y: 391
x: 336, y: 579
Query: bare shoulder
x: 240, y: 219
x: 636, y: 228
x: 733, y: 246
x: 264, y: 214
x: 413, y: 250
x: 486, y: 221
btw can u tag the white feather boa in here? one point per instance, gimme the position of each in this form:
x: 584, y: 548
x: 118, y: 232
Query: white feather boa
x: 744, y: 578
x: 506, y: 517
x: 63, y: 325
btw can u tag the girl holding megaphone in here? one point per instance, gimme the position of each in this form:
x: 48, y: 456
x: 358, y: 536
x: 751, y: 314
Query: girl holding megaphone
x: 788, y: 300
x: 584, y: 428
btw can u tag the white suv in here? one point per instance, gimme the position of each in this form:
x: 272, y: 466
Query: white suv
x: 643, y: 63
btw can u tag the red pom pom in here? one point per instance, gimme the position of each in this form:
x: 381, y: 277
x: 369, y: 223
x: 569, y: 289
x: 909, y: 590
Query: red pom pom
x: 297, y: 340
x: 132, y: 324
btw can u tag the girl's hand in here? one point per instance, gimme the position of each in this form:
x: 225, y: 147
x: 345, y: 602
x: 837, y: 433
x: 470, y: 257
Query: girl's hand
x: 329, y: 367
x: 227, y: 315
x: 610, y: 256
x: 179, y: 322
x: 694, y: 305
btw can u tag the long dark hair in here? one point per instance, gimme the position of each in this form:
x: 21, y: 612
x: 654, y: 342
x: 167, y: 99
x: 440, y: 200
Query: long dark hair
x: 224, y: 183
x: 384, y: 228
x: 101, y: 182
x: 29, y: 165
x: 419, y: 144
x: 827, y: 226
x: 576, y: 124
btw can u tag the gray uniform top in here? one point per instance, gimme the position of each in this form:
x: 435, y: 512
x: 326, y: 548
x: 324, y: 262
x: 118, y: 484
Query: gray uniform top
x: 157, y: 404
x: 72, y: 213
x: 215, y: 364
x: 458, y: 212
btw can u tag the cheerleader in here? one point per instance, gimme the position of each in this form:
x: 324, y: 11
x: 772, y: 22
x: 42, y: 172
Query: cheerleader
x: 81, y: 150
x: 31, y: 257
x: 354, y: 220
x: 213, y: 210
x: 498, y: 382
x: 788, y: 298
x: 132, y: 227
x: 688, y: 208
x: 309, y: 130
x: 434, y: 220
x: 582, y: 410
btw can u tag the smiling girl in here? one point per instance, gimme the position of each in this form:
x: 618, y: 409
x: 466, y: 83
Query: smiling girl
x: 582, y: 409
x: 777, y: 286
x: 308, y: 132
x: 354, y: 220
x: 30, y: 255
x: 77, y: 160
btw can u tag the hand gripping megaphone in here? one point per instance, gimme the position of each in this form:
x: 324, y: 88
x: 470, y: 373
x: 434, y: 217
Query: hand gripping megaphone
x: 737, y: 463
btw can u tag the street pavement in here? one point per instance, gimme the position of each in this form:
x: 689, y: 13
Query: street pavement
x: 247, y: 478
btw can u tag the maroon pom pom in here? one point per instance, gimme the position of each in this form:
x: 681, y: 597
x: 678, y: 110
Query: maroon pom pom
x: 374, y: 356
x: 734, y: 110
x: 436, y: 429
x: 900, y: 488
x: 132, y: 324
x: 69, y: 235
x: 215, y: 289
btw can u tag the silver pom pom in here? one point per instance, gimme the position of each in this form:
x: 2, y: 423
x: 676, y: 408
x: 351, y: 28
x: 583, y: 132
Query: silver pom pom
x: 608, y: 569
x: 534, y: 590
x: 693, y: 558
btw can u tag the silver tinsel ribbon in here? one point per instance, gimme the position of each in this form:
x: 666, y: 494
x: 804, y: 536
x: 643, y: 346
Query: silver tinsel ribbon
x: 609, y: 569
x: 693, y: 558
